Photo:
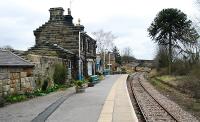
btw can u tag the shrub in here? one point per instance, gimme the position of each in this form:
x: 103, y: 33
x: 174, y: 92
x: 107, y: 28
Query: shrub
x: 90, y: 79
x: 123, y: 70
x: 79, y: 83
x: 53, y: 88
x: 39, y: 92
x: 179, y: 67
x: 15, y: 98
x: 163, y: 71
x: 101, y: 77
x: 192, y: 82
x: 161, y: 59
x: 38, y: 81
x: 191, y: 85
x: 45, y: 85
x: 60, y: 74
x: 195, y: 71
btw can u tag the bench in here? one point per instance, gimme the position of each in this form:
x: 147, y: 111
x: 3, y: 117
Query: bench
x: 94, y: 78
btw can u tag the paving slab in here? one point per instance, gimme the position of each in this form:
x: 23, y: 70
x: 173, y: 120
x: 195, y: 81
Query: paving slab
x: 26, y: 111
x: 87, y: 106
x: 118, y: 106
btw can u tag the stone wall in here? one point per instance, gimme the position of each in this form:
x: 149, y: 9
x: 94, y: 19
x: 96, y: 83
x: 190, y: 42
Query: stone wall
x: 44, y: 67
x: 19, y: 80
x: 15, y: 80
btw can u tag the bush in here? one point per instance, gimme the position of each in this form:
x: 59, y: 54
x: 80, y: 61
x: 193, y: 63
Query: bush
x: 38, y: 81
x: 89, y: 79
x: 79, y: 83
x: 195, y: 71
x: 179, y: 67
x: 101, y: 77
x: 45, y: 85
x: 60, y: 74
x: 15, y: 98
x: 161, y: 59
x: 55, y: 87
x: 191, y: 85
x: 39, y: 92
x: 163, y: 71
x: 192, y: 82
x: 124, y: 70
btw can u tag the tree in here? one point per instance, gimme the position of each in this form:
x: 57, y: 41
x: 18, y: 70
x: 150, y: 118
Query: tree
x: 172, y: 29
x: 60, y: 74
x: 127, y: 55
x: 161, y: 57
x: 117, y: 55
x: 104, y: 40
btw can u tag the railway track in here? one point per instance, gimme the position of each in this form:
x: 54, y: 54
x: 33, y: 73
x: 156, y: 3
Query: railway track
x: 150, y: 108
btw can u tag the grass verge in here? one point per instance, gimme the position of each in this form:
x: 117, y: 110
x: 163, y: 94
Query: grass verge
x: 186, y: 101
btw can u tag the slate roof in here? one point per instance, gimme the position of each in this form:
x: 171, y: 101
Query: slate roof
x: 9, y: 59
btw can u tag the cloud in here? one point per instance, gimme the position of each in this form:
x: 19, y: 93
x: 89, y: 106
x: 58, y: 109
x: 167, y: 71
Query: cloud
x: 131, y: 32
x: 127, y: 19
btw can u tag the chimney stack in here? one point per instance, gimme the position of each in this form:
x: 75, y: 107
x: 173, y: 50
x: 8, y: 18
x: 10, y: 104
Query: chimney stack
x: 56, y: 14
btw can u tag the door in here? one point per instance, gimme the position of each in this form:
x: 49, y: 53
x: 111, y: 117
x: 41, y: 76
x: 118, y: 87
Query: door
x: 89, y: 68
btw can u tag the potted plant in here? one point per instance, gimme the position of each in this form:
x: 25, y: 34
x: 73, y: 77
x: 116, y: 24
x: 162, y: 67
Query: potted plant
x: 90, y: 82
x: 80, y: 85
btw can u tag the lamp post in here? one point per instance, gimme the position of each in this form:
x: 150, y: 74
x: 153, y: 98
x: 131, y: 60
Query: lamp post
x: 109, y: 60
x: 104, y: 64
x: 79, y: 55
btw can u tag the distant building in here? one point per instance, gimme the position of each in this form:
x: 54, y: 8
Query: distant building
x: 16, y: 74
x: 108, y: 62
x: 99, y: 63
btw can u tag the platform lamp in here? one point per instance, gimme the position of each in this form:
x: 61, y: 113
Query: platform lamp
x: 104, y: 64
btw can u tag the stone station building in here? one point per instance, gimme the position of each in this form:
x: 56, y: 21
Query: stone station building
x: 58, y: 39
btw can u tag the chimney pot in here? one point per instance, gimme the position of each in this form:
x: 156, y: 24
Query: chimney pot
x: 69, y: 11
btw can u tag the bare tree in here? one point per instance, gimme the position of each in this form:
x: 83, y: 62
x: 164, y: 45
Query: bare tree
x: 127, y: 55
x: 127, y: 51
x: 196, y: 18
x: 104, y: 40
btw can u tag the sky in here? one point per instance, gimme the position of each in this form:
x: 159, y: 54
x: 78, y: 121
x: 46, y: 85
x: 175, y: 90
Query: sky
x: 127, y: 19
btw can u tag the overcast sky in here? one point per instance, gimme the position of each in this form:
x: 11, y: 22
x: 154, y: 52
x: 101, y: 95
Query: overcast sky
x: 127, y: 19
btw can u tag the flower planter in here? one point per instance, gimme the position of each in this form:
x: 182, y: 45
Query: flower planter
x: 80, y: 89
x: 90, y: 84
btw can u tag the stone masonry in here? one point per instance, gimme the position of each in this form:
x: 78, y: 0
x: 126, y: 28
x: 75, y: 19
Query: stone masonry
x: 15, y: 74
x: 44, y: 66
x: 15, y: 80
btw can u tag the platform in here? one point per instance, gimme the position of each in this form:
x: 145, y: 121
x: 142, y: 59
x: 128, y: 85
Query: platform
x: 118, y: 106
